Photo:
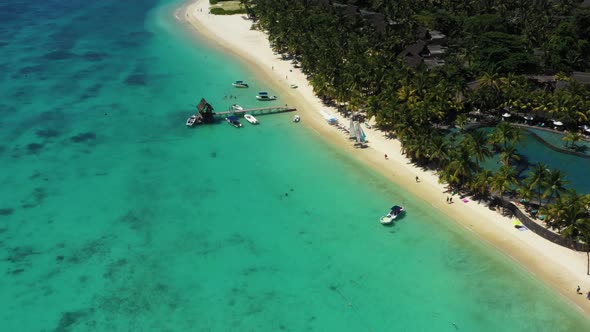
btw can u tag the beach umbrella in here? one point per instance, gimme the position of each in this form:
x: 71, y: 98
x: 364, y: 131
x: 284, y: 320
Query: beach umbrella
x: 506, y: 115
x: 557, y: 123
x: 528, y: 117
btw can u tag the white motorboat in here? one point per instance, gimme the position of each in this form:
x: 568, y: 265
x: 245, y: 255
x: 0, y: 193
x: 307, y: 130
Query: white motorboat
x: 190, y: 122
x: 394, y: 212
x: 296, y: 118
x: 236, y: 107
x: 250, y: 118
x: 263, y: 96
x: 240, y: 84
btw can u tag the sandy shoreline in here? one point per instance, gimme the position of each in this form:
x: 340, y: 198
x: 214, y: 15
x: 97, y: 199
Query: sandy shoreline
x: 561, y: 268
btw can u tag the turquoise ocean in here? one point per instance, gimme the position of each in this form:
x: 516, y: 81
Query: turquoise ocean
x: 116, y: 217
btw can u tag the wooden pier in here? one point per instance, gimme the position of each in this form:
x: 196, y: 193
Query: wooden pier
x: 205, y: 113
x: 258, y: 111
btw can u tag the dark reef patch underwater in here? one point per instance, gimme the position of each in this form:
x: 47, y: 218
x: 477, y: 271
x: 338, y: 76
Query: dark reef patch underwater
x: 83, y: 137
x: 6, y: 211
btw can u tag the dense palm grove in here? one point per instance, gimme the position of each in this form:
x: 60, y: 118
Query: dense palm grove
x: 351, y: 52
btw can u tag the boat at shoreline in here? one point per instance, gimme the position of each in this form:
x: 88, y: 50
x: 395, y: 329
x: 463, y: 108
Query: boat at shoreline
x: 233, y: 120
x: 394, y: 212
x: 240, y: 84
x: 329, y: 118
x: 263, y: 96
x: 250, y: 118
x: 190, y: 122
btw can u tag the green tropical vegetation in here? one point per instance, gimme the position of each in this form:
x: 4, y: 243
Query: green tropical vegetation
x: 496, y: 58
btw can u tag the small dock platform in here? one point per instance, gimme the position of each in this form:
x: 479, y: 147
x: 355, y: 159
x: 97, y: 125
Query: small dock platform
x: 258, y: 111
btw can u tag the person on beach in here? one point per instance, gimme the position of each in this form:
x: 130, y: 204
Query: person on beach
x: 447, y: 200
x: 451, y: 200
x: 588, y: 295
x: 578, y: 290
x: 417, y: 178
x: 386, y: 157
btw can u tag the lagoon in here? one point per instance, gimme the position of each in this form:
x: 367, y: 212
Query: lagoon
x: 118, y: 217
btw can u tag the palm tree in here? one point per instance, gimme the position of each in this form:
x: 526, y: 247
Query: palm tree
x: 417, y: 151
x: 524, y: 193
x: 438, y: 151
x: 492, y: 81
x: 513, y: 86
x: 569, y: 215
x: 508, y: 154
x: 572, y: 138
x: 477, y: 145
x: 536, y: 181
x: 584, y: 230
x: 480, y: 184
x: 503, y: 181
x: 585, y: 237
x: 459, y: 169
x: 408, y: 94
x: 505, y: 134
x: 555, y: 184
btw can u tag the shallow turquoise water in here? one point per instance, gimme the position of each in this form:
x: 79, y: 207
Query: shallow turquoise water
x: 116, y: 217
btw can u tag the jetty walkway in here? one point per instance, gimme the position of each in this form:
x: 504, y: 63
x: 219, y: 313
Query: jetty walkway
x: 258, y: 110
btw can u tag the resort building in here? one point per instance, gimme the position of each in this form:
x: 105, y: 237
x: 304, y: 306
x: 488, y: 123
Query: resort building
x: 428, y: 50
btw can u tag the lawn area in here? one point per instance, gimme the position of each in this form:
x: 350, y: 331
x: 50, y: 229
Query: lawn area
x: 227, y: 5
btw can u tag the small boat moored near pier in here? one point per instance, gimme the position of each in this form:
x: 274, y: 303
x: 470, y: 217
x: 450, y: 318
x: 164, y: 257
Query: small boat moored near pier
x: 190, y: 122
x: 250, y: 118
x: 240, y: 84
x: 263, y: 96
x: 233, y: 120
x: 296, y: 118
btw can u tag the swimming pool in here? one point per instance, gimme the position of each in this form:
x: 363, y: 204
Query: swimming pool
x: 556, y: 139
x: 574, y: 167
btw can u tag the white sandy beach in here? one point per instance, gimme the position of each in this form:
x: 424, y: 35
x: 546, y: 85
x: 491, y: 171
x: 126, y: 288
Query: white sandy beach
x: 561, y: 268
